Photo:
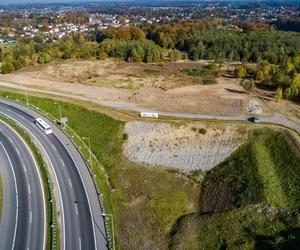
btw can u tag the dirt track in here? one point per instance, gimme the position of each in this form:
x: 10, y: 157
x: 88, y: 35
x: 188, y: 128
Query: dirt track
x: 218, y: 99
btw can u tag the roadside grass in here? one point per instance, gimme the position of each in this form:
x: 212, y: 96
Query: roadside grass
x: 145, y: 201
x: 250, y: 201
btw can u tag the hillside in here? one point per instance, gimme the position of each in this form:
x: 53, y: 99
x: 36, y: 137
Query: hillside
x: 249, y: 201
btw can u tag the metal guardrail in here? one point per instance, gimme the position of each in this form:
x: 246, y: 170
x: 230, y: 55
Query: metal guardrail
x: 33, y: 144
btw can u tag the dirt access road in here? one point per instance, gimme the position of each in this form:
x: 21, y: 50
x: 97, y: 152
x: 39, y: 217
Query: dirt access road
x: 277, y: 118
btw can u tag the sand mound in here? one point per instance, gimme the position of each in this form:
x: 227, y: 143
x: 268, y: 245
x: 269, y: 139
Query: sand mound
x: 180, y: 147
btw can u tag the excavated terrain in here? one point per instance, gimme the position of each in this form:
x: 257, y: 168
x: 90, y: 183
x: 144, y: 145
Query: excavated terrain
x: 188, y: 147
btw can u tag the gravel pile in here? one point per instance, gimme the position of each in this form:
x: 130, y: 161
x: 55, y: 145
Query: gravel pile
x: 180, y: 147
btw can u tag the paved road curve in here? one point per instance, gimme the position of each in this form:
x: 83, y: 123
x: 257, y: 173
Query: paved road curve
x: 23, y: 222
x: 82, y: 222
x: 275, y: 119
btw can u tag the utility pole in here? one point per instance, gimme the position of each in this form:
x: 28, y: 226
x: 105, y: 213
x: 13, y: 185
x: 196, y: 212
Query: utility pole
x: 59, y: 110
x: 90, y: 151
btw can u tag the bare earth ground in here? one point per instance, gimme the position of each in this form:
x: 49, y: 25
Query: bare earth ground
x: 164, y: 88
x: 182, y: 147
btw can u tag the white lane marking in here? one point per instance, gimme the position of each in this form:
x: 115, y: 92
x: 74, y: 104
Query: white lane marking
x: 17, y: 198
x: 85, y: 190
x: 24, y: 167
x: 30, y: 219
x: 29, y: 190
x: 53, y: 147
x: 62, y: 162
x: 76, y: 209
x: 18, y: 152
x: 79, y: 243
x: 10, y: 140
x: 70, y: 182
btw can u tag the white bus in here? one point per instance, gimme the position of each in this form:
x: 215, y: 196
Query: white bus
x: 43, y: 126
x: 149, y: 115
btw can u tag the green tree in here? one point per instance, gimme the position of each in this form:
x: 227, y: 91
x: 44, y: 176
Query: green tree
x: 260, y: 75
x: 241, y: 72
x: 7, y: 68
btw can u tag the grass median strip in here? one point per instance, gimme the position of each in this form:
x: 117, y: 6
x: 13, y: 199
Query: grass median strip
x: 51, y: 241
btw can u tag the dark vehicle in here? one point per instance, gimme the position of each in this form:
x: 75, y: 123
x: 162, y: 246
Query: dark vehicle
x: 254, y: 119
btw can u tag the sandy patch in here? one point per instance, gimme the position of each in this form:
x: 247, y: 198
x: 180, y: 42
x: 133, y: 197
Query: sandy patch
x: 181, y: 147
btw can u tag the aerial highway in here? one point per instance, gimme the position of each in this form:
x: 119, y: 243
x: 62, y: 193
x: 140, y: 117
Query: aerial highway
x: 23, y: 221
x: 80, y: 213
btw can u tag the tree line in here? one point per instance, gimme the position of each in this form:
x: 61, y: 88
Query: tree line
x: 284, y: 78
x: 212, y: 39
x: 37, y: 50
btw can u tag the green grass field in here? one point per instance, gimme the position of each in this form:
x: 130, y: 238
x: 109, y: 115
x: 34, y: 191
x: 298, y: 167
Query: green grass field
x: 250, y: 201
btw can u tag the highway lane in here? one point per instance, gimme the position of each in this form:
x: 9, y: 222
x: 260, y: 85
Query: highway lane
x: 23, y: 222
x: 82, y: 222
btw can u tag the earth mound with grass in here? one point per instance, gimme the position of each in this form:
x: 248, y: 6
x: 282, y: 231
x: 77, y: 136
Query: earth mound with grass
x: 250, y: 201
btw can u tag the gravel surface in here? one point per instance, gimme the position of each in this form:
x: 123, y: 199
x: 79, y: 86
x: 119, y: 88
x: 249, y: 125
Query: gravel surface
x: 180, y: 147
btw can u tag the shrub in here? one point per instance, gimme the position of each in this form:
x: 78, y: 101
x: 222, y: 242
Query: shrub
x: 208, y: 81
x: 202, y: 131
x: 7, y: 68
x: 17, y: 64
x: 194, y: 129
x: 102, y: 55
x: 240, y: 72
x: 125, y: 137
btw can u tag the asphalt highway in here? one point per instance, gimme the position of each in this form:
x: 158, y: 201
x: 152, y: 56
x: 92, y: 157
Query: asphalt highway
x: 23, y: 221
x: 82, y: 221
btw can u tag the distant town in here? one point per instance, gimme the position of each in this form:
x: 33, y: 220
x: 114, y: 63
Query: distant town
x: 54, y: 21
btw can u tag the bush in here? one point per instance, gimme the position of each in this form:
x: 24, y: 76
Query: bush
x: 240, y: 72
x: 125, y: 137
x: 202, y: 131
x: 41, y: 59
x: 194, y: 129
x: 17, y: 64
x: 102, y: 55
x: 209, y: 81
x: 7, y: 68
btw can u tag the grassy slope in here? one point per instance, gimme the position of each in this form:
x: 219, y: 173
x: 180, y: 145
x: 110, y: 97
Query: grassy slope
x: 146, y: 201
x: 265, y: 171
